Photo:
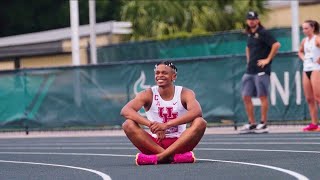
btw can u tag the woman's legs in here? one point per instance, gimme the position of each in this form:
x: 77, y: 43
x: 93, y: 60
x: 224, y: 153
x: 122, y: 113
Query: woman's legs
x: 310, y: 98
x: 315, y: 81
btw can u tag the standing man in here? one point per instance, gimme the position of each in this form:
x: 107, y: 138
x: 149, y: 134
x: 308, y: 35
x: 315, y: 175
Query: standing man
x: 168, y: 108
x: 260, y: 50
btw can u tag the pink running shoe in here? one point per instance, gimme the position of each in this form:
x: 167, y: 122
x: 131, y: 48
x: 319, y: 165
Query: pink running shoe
x: 143, y: 159
x: 311, y: 127
x: 187, y: 157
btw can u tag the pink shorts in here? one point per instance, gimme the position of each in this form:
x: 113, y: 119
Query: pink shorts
x: 165, y: 143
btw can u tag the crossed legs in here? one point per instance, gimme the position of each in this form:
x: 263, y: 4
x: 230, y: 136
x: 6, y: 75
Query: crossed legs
x: 186, y: 142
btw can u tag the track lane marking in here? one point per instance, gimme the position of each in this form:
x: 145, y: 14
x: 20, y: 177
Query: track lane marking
x: 127, y: 143
x: 286, y: 171
x: 292, y: 173
x: 104, y: 176
x: 264, y: 143
x: 257, y: 150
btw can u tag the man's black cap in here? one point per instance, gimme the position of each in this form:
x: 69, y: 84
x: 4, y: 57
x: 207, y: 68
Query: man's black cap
x: 252, y: 15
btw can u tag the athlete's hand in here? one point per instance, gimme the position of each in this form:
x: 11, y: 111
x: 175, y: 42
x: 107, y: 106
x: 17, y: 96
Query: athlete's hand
x: 318, y: 61
x: 160, y: 136
x: 262, y: 62
x: 156, y: 126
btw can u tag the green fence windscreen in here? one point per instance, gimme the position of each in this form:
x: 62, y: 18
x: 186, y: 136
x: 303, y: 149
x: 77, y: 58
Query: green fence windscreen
x: 94, y: 95
x: 226, y: 43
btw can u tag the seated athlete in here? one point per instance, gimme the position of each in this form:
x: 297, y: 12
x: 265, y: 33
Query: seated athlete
x: 168, y: 108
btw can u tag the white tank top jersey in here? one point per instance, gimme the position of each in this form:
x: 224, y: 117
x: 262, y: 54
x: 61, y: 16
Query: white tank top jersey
x: 163, y: 111
x: 311, y: 54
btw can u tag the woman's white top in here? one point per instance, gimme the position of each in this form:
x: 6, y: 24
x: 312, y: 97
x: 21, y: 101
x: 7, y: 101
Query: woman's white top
x: 311, y: 54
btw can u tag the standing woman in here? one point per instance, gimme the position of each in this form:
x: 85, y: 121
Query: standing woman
x: 309, y: 53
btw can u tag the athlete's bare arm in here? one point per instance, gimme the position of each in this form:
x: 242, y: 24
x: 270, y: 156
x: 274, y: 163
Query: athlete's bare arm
x: 130, y: 110
x: 301, y: 50
x: 247, y: 54
x: 274, y: 49
x: 318, y: 45
x: 189, y: 101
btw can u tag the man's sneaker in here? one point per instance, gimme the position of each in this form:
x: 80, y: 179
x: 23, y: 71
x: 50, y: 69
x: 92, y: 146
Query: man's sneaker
x: 311, y: 127
x: 187, y: 157
x: 247, y: 128
x: 262, y: 128
x: 143, y: 159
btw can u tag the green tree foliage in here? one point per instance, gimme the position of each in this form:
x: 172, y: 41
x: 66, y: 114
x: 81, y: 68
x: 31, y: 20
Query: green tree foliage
x: 182, y: 18
x: 152, y: 19
x: 26, y: 16
x: 23, y: 16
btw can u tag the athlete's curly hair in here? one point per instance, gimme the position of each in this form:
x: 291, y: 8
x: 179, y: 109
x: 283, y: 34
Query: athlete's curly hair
x: 169, y: 64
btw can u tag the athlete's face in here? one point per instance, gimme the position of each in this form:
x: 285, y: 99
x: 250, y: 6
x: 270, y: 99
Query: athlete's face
x: 164, y: 75
x: 307, y: 29
x: 252, y: 23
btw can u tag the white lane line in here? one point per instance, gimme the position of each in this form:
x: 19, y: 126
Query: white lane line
x: 264, y: 143
x: 262, y: 138
x: 72, y: 154
x: 296, y: 134
x: 63, y: 144
x: 66, y: 148
x: 115, y: 142
x: 198, y: 149
x: 258, y: 150
x: 133, y: 148
x: 125, y: 143
x: 96, y: 146
x: 292, y: 173
x: 104, y: 176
